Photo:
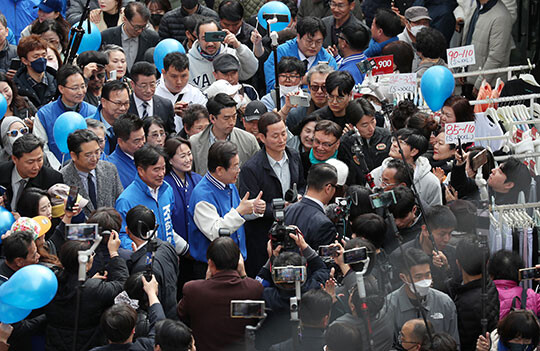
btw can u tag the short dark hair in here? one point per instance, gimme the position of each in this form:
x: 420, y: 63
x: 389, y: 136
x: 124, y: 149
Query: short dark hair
x: 224, y: 252
x: 148, y: 121
x: 359, y: 242
x: 107, y: 218
x: 405, y: 202
x: 414, y: 139
x: 127, y: 124
x: 514, y: 170
x: 371, y: 227
x: 139, y: 220
x: 468, y: 254
x: 342, y: 80
x: 65, y: 72
x: 402, y: 174
x: 190, y: 22
x: 30, y: 43
x: 442, y: 342
x: 220, y: 154
x: 310, y: 25
x: 267, y: 118
x: 505, y: 265
x: 320, y: 175
x: 314, y: 306
x: 176, y: 59
x: 206, y: 20
x: 440, y: 216
x: 402, y: 112
x: 414, y: 257
x: 291, y: 64
x: 118, y: 321
x: 341, y: 336
x: 79, y: 137
x: 288, y: 258
x: 193, y: 113
x: 231, y: 10
x: 423, y: 123
x: 466, y: 215
x: 420, y: 331
x: 135, y: 7
x: 373, y: 299
x: 431, y: 43
x: 135, y: 289
x: 329, y: 127
x: 16, y: 244
x: 388, y: 21
x: 112, y: 85
x: 403, y: 55
x: 173, y: 335
x: 518, y: 323
x: 219, y: 102
x: 69, y: 256
x: 171, y: 146
x: 148, y: 155
x: 356, y: 35
x: 462, y: 108
x: 142, y: 68
x: 360, y: 201
x: 26, y: 144
x: 362, y: 108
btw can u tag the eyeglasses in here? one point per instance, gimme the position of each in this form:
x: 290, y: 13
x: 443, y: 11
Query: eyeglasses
x: 289, y: 77
x: 77, y: 88
x: 316, y: 88
x: 333, y: 185
x: 157, y: 134
x: 311, y: 42
x: 338, y: 99
x: 401, y: 340
x: 93, y: 155
x: 136, y: 27
x: 342, y: 37
x: 317, y: 142
x: 339, y: 6
x: 119, y: 103
x: 97, y: 76
x: 15, y: 132
x: 145, y: 86
x: 385, y: 184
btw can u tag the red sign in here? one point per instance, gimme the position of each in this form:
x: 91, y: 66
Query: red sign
x: 385, y: 65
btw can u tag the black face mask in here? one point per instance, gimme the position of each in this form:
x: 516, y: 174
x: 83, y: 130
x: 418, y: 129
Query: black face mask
x: 155, y: 19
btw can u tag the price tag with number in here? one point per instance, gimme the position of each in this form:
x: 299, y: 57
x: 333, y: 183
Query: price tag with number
x: 400, y: 83
x: 384, y: 65
x: 463, y: 131
x: 461, y: 56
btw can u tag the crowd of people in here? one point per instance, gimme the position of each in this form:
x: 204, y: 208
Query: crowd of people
x: 211, y: 188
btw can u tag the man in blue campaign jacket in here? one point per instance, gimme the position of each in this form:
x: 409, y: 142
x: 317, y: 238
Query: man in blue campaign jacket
x: 19, y: 14
x: 307, y: 47
x: 148, y: 189
x: 215, y: 204
x: 72, y: 91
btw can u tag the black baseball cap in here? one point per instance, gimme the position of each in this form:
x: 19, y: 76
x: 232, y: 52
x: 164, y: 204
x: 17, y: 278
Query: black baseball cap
x: 226, y: 63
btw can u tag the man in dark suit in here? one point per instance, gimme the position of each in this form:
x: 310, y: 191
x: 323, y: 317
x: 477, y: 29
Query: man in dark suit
x: 25, y: 170
x: 143, y: 101
x: 205, y: 305
x: 132, y: 36
x: 308, y: 214
x: 273, y: 170
x: 342, y: 15
x: 97, y: 180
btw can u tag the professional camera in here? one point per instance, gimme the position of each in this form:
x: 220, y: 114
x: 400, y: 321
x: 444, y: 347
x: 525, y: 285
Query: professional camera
x: 279, y: 233
x: 382, y: 199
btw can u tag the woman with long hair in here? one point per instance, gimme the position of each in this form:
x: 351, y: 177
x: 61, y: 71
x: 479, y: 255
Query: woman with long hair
x: 52, y: 32
x: 108, y: 15
x: 18, y: 105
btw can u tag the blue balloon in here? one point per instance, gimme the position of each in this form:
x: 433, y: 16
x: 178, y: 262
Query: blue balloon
x: 30, y: 287
x: 437, y: 85
x: 90, y: 41
x: 6, y: 221
x: 274, y: 7
x: 165, y: 47
x: 10, y: 314
x: 65, y: 124
x: 3, y: 106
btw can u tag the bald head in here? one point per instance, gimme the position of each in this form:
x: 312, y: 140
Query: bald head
x: 414, y: 332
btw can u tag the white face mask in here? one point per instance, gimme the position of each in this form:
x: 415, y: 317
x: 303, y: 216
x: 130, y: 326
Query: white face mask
x: 53, y: 64
x: 377, y: 107
x: 283, y: 90
x: 422, y: 287
x: 416, y: 29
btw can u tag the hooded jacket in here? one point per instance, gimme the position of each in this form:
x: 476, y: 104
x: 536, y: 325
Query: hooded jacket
x: 508, y: 289
x: 427, y: 184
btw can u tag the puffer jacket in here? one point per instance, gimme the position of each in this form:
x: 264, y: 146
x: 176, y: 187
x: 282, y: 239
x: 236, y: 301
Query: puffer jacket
x: 172, y: 24
x: 508, y: 289
x: 26, y: 89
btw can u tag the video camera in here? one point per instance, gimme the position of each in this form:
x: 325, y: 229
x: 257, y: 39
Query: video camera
x: 279, y: 232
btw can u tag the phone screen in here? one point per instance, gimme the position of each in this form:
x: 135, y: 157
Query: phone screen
x: 72, y: 197
x: 355, y: 255
x: 247, y: 309
x: 83, y: 232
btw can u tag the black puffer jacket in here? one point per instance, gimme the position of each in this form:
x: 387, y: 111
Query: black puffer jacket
x: 468, y: 302
x: 172, y: 24
x: 25, y: 88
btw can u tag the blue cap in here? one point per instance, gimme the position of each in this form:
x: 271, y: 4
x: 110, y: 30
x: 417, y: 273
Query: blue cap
x: 50, y: 6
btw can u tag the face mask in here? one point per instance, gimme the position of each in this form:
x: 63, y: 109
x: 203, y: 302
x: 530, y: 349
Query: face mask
x: 377, y: 107
x: 53, y: 64
x: 155, y: 19
x: 283, y: 90
x: 422, y: 287
x: 519, y: 347
x: 416, y: 29
x: 39, y: 65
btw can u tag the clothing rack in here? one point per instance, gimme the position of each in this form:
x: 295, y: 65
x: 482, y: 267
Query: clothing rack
x: 495, y: 70
x: 525, y: 155
x: 499, y: 208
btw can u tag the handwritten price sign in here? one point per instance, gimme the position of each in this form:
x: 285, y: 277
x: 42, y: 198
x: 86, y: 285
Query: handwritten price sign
x: 401, y: 83
x: 384, y: 65
x: 463, y: 131
x: 461, y: 56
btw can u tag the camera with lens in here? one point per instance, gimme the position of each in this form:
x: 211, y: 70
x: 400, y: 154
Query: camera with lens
x: 279, y: 233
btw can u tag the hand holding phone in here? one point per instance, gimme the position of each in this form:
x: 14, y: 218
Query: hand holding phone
x: 72, y: 198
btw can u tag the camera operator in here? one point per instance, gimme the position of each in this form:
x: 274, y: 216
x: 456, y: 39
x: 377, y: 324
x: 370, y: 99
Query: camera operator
x: 205, y: 305
x: 443, y: 265
x: 140, y: 221
x: 406, y: 216
x: 277, y: 326
x: 308, y: 214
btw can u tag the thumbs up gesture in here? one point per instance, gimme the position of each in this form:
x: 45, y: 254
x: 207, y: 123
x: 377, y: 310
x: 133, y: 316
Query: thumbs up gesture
x: 255, y: 205
x: 259, y: 204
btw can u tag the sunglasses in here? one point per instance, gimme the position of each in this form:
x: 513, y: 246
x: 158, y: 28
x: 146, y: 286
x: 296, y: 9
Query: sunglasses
x: 97, y: 76
x: 14, y: 133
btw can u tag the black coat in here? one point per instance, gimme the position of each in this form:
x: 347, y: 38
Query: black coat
x: 172, y: 24
x: 46, y: 178
x: 25, y: 87
x: 310, y: 218
x: 165, y: 269
x: 163, y: 109
x: 468, y: 302
x: 96, y: 296
x: 257, y: 175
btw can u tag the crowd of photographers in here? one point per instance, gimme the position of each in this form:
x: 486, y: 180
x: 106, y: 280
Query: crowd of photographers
x: 213, y: 214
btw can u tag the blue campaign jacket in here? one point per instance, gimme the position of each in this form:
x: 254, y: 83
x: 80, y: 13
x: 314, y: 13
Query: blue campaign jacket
x: 138, y: 193
x: 182, y: 194
x: 19, y: 14
x: 290, y: 48
x: 223, y: 200
x: 125, y: 166
x: 49, y: 113
x: 349, y: 64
